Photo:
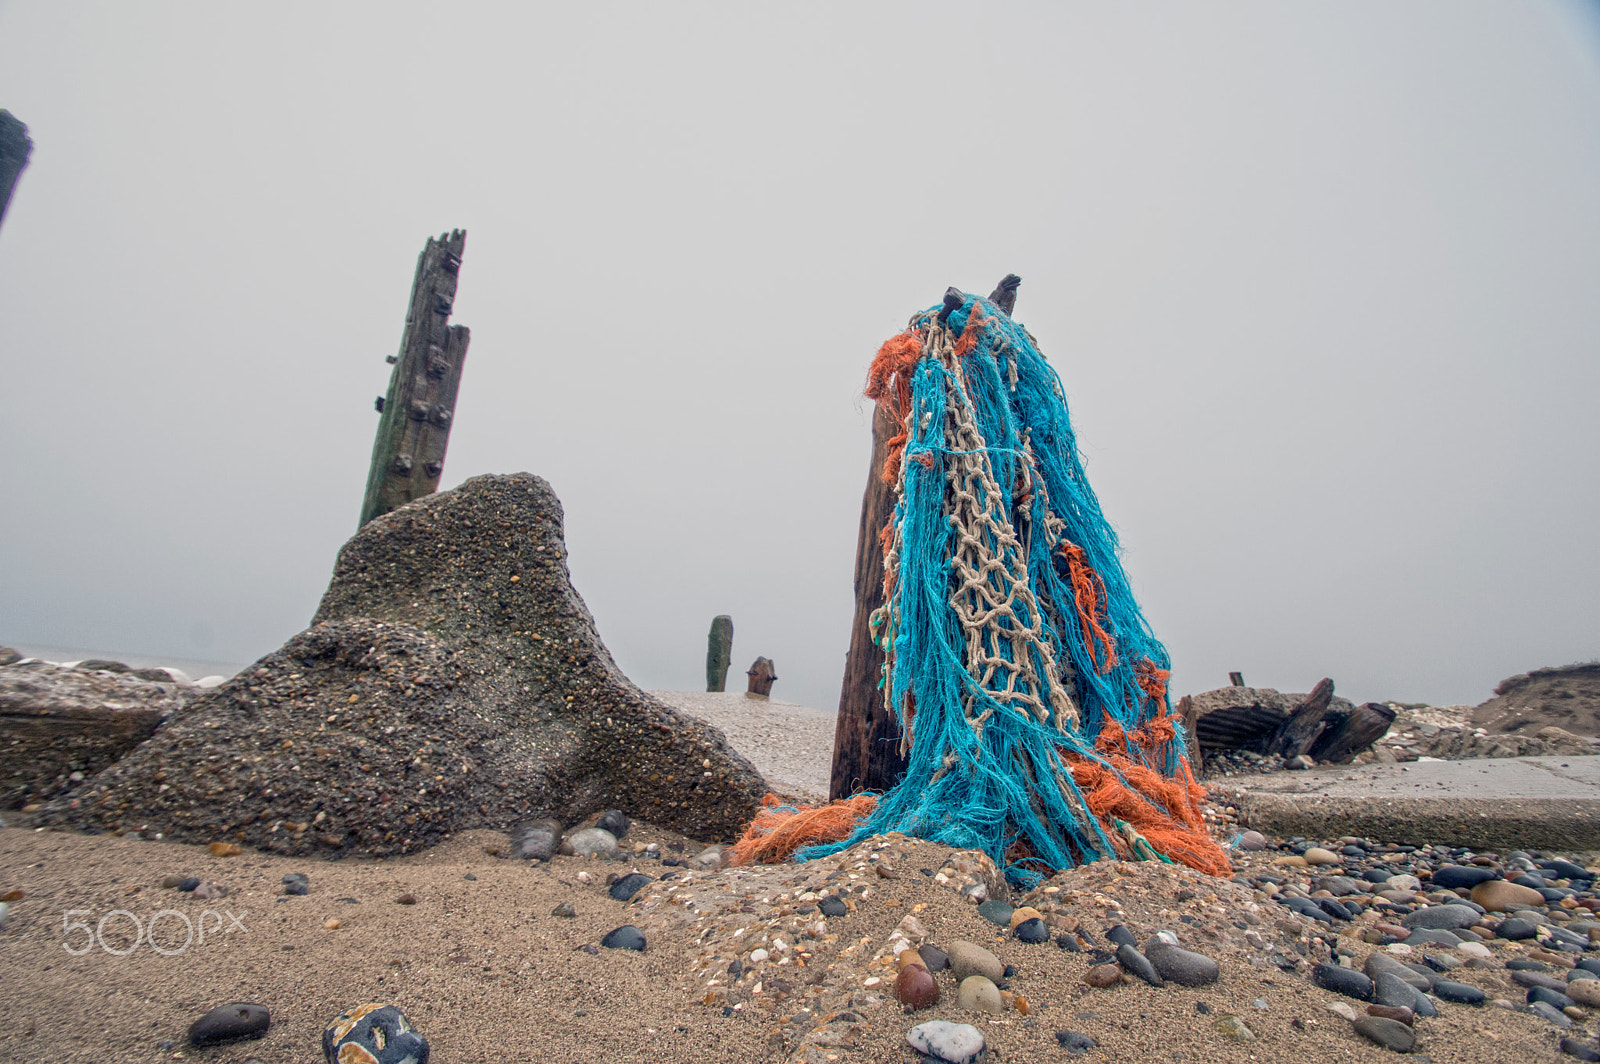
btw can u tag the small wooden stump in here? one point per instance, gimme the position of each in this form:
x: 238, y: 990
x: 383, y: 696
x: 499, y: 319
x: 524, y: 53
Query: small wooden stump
x: 719, y: 646
x: 762, y: 675
x: 1236, y: 678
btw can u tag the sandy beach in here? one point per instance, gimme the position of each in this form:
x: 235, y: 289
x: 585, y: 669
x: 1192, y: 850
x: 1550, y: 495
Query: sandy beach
x: 486, y: 972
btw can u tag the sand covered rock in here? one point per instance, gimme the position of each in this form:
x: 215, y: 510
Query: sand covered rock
x: 59, y: 721
x: 452, y: 679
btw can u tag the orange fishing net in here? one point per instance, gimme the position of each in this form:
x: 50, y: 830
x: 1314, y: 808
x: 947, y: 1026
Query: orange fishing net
x: 779, y: 830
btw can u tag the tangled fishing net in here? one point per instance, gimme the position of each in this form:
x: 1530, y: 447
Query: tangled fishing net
x: 1030, y: 690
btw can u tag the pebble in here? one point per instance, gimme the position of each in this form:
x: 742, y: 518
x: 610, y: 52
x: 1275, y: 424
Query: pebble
x: 625, y: 937
x: 1025, y: 912
x: 1475, y: 949
x: 1076, y: 1043
x: 614, y: 821
x: 996, y: 912
x: 1551, y: 1013
x: 1460, y: 993
x: 1452, y: 877
x: 1394, y: 1012
x: 564, y: 910
x: 1346, y: 981
x: 1316, y: 855
x: 1232, y: 1027
x: 1497, y: 895
x: 189, y: 883
x: 225, y: 849
x: 1103, y: 975
x: 969, y: 958
x: 916, y: 988
x: 1389, y: 989
x: 332, y: 924
x: 406, y: 899
x: 210, y: 891
x: 537, y: 840
x: 230, y: 1023
x: 934, y: 958
x: 1574, y: 1047
x: 1121, y: 936
x: 297, y: 884
x: 1032, y: 931
x: 832, y: 906
x: 375, y: 1034
x: 629, y: 885
x: 1585, y: 992
x: 1516, y: 929
x: 1136, y: 963
x: 1391, y: 1034
x: 1252, y: 840
x: 946, y: 1042
x: 1525, y: 978
x: 1554, y: 998
x: 591, y: 841
x: 171, y: 881
x: 1440, y: 918
x: 1181, y: 966
x: 977, y: 994
x: 1339, y: 1008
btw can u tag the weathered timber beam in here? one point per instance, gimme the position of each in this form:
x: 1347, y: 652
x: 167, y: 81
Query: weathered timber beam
x: 414, y: 426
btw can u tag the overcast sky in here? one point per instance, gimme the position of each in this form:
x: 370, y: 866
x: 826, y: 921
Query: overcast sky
x: 1322, y: 281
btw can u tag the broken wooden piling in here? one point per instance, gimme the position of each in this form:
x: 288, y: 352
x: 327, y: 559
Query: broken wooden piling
x: 414, y: 428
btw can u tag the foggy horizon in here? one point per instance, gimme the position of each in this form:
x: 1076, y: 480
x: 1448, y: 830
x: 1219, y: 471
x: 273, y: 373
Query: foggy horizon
x: 1319, y: 283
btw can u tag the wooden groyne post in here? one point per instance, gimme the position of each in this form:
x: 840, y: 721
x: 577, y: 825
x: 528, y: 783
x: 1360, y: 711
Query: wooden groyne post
x: 719, y: 648
x: 414, y: 426
x: 866, y: 739
x: 15, y: 147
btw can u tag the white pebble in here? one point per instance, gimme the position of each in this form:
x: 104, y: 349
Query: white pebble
x: 758, y: 955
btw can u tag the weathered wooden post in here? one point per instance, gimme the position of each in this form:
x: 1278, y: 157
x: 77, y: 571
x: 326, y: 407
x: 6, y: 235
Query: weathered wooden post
x: 15, y: 147
x: 866, y: 740
x: 762, y: 675
x: 719, y: 648
x: 414, y: 429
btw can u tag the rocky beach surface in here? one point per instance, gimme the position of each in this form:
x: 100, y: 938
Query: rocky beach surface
x: 644, y: 947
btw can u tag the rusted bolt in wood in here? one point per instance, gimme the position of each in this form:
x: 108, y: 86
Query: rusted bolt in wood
x: 402, y: 464
x: 433, y: 468
x: 419, y: 410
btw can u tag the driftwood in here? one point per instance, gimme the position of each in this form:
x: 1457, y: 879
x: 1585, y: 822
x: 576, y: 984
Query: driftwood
x: 414, y: 428
x: 1305, y: 725
x: 762, y: 676
x: 866, y: 740
x: 719, y: 647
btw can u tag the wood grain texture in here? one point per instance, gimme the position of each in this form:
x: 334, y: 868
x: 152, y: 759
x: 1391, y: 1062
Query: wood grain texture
x: 866, y: 743
x: 414, y: 426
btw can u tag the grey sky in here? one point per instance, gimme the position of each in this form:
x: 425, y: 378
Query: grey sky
x: 1321, y: 280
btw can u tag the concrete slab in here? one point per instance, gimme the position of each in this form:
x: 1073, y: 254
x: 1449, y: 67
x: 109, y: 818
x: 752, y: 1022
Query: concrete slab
x: 1550, y: 803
